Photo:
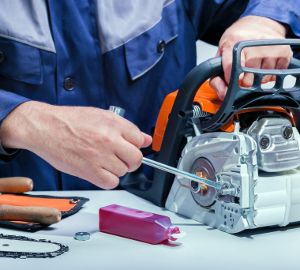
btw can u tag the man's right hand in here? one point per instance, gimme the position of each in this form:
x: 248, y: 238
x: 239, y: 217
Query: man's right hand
x: 90, y: 143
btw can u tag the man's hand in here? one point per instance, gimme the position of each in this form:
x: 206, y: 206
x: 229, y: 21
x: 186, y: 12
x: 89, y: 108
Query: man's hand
x: 90, y: 143
x: 247, y: 28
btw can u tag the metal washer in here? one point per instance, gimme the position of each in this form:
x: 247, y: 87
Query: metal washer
x: 204, y: 198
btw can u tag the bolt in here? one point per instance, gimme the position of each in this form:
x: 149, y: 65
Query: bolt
x: 264, y: 142
x: 287, y: 132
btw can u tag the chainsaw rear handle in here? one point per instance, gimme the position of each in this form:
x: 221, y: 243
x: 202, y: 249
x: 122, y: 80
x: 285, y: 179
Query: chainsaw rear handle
x: 236, y: 98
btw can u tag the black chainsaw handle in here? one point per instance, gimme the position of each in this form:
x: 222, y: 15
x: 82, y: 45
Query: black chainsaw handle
x: 238, y: 98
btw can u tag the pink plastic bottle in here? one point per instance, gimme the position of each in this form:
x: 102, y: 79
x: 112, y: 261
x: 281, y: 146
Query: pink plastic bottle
x: 136, y: 224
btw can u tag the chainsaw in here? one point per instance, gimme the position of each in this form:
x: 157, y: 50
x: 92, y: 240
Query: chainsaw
x: 247, y: 144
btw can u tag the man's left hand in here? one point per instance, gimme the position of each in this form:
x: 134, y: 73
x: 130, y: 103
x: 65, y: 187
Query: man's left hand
x: 249, y: 28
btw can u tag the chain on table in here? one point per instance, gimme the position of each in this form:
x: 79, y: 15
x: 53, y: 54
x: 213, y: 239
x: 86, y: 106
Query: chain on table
x: 24, y: 255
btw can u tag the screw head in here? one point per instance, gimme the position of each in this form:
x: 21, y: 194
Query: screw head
x: 264, y: 142
x: 287, y: 132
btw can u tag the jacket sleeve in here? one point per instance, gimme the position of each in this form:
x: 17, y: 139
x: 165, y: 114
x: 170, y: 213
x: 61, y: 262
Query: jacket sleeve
x: 211, y: 18
x: 8, y: 102
x: 284, y: 11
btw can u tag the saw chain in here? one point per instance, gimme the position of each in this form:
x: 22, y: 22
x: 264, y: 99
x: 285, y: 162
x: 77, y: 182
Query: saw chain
x: 24, y: 254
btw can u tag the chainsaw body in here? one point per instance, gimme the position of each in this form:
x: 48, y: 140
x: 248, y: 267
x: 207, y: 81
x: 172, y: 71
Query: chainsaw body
x: 261, y: 186
x: 248, y: 144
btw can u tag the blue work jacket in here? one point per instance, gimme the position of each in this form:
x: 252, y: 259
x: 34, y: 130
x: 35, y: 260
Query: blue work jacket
x: 99, y: 53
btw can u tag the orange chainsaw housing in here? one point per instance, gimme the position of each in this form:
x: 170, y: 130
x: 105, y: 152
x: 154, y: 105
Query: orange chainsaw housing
x: 207, y: 98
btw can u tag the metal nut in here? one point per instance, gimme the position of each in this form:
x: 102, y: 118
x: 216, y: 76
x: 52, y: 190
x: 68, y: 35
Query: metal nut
x: 82, y: 236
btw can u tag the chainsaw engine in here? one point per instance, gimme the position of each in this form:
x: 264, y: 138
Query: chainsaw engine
x: 257, y: 169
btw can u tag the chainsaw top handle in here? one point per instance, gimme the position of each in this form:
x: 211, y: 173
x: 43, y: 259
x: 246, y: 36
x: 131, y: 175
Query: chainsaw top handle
x: 238, y: 97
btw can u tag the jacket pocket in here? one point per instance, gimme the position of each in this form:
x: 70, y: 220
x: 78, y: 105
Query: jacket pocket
x: 146, y: 50
x: 20, y: 62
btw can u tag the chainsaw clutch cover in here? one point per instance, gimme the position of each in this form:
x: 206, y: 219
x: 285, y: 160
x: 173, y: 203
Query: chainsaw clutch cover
x: 257, y: 168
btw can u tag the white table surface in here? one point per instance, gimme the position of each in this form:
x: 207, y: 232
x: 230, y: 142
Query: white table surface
x: 202, y: 247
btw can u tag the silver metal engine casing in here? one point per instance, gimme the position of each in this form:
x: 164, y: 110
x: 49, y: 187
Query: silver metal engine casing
x: 261, y: 198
